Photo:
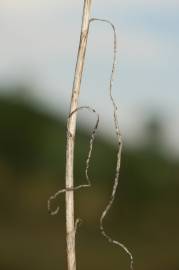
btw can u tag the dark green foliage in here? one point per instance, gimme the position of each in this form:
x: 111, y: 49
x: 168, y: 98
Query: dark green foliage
x: 32, y: 167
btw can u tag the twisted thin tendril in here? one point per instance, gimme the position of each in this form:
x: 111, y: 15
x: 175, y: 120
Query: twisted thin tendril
x: 119, y: 140
x: 88, y: 184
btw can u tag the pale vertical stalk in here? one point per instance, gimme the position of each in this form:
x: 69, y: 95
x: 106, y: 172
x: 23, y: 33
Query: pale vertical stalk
x: 71, y: 130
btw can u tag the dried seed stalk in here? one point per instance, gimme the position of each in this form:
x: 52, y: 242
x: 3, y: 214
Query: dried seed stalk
x: 71, y: 130
x: 71, y: 224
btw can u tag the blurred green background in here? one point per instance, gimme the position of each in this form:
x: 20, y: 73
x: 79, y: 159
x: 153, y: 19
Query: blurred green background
x: 32, y: 167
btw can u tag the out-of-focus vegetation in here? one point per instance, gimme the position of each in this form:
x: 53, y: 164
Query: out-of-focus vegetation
x: 32, y: 167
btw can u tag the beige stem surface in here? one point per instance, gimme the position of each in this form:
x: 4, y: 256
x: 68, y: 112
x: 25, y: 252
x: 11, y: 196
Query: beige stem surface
x: 71, y: 130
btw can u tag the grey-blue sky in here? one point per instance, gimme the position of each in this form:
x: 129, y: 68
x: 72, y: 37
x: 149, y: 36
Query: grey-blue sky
x: 39, y: 41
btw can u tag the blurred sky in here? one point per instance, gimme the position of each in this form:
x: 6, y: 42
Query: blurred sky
x: 38, y: 46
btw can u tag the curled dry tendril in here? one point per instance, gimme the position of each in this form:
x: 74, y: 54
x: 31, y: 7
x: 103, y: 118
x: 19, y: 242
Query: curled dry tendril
x: 88, y: 184
x: 119, y: 140
x: 118, y: 164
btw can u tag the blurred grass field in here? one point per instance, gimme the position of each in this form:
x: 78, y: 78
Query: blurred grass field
x: 32, y: 167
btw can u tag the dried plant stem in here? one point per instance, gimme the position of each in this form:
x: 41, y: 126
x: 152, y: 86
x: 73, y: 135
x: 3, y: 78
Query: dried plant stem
x: 71, y: 224
x: 71, y: 130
